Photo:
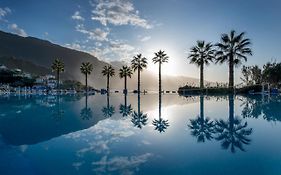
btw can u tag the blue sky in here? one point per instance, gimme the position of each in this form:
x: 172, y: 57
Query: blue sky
x: 118, y: 29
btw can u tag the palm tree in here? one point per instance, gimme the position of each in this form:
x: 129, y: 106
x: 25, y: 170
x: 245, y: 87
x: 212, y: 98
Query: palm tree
x: 58, y: 67
x: 200, y: 55
x: 86, y: 68
x: 125, y: 72
x: 202, y: 127
x: 160, y: 125
x: 160, y: 58
x: 139, y: 119
x: 125, y: 109
x: 233, y: 49
x: 108, y: 71
x: 86, y: 113
x: 109, y: 110
x: 233, y: 133
x: 139, y: 63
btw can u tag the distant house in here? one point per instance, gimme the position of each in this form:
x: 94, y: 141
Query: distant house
x: 48, y: 80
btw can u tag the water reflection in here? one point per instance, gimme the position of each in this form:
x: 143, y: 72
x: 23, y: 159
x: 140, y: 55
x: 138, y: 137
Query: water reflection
x: 161, y: 124
x: 109, y: 110
x: 260, y: 106
x: 233, y: 133
x: 58, y: 112
x: 86, y: 113
x: 139, y: 119
x: 202, y: 128
x: 125, y: 109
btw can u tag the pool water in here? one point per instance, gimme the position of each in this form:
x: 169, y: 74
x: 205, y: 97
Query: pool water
x: 147, y: 134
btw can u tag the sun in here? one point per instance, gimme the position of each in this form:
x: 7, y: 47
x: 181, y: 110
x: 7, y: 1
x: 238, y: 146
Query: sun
x: 170, y: 68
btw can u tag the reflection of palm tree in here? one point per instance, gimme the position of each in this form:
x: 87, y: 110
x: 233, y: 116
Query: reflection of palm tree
x: 109, y: 110
x: 139, y: 119
x: 160, y: 125
x: 86, y: 113
x: 201, y: 127
x: 58, y: 67
x: 58, y: 112
x: 232, y: 49
x: 108, y: 71
x: 125, y: 109
x: 201, y: 54
x: 139, y: 63
x: 233, y: 133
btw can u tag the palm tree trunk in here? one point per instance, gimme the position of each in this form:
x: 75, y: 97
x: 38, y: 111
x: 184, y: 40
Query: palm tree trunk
x: 107, y: 84
x: 86, y: 82
x: 202, y: 107
x: 125, y: 90
x: 138, y: 103
x: 58, y: 80
x: 125, y: 99
x: 231, y: 73
x: 160, y: 91
x: 86, y: 102
x: 231, y: 111
x: 138, y: 80
x: 202, y: 76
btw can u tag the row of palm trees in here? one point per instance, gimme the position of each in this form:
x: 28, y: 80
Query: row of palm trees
x: 139, y: 63
x: 233, y: 49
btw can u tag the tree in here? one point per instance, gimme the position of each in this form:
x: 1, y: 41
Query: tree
x: 138, y: 64
x: 233, y: 133
x: 125, y: 72
x: 108, y: 71
x: 139, y: 119
x: 86, y: 113
x: 125, y: 109
x: 202, y: 127
x: 58, y: 67
x: 86, y: 68
x: 233, y: 49
x: 109, y: 110
x: 200, y: 55
x: 161, y: 124
x: 160, y: 58
x: 246, y: 75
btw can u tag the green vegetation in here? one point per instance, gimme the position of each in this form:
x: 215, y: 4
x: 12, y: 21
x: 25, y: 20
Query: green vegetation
x: 108, y: 71
x: 58, y: 67
x: 125, y: 72
x: 86, y: 69
x: 160, y: 58
x: 200, y: 55
x: 139, y: 63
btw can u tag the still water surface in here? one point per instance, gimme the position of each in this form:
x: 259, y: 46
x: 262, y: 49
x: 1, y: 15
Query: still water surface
x: 119, y: 134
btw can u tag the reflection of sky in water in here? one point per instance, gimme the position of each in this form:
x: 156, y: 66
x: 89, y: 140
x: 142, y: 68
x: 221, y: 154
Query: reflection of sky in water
x: 50, y: 136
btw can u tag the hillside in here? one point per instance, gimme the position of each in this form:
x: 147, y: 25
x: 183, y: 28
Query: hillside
x: 36, y: 56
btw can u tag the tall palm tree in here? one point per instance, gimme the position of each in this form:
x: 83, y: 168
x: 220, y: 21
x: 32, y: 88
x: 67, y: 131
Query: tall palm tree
x: 109, y: 110
x: 233, y: 133
x: 139, y: 63
x: 139, y: 119
x: 58, y: 67
x: 125, y: 109
x: 200, y: 55
x: 86, y: 113
x: 233, y: 49
x: 108, y: 71
x: 202, y: 127
x: 125, y: 72
x: 161, y: 124
x: 160, y: 58
x: 86, y: 68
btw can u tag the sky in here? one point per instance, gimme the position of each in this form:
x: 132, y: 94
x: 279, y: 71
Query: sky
x: 116, y: 30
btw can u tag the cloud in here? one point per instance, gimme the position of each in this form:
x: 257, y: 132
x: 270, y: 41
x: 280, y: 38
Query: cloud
x: 15, y: 29
x: 74, y: 46
x: 118, y: 12
x: 121, y: 164
x: 4, y: 12
x: 77, y: 16
x: 146, y: 38
x: 97, y: 34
